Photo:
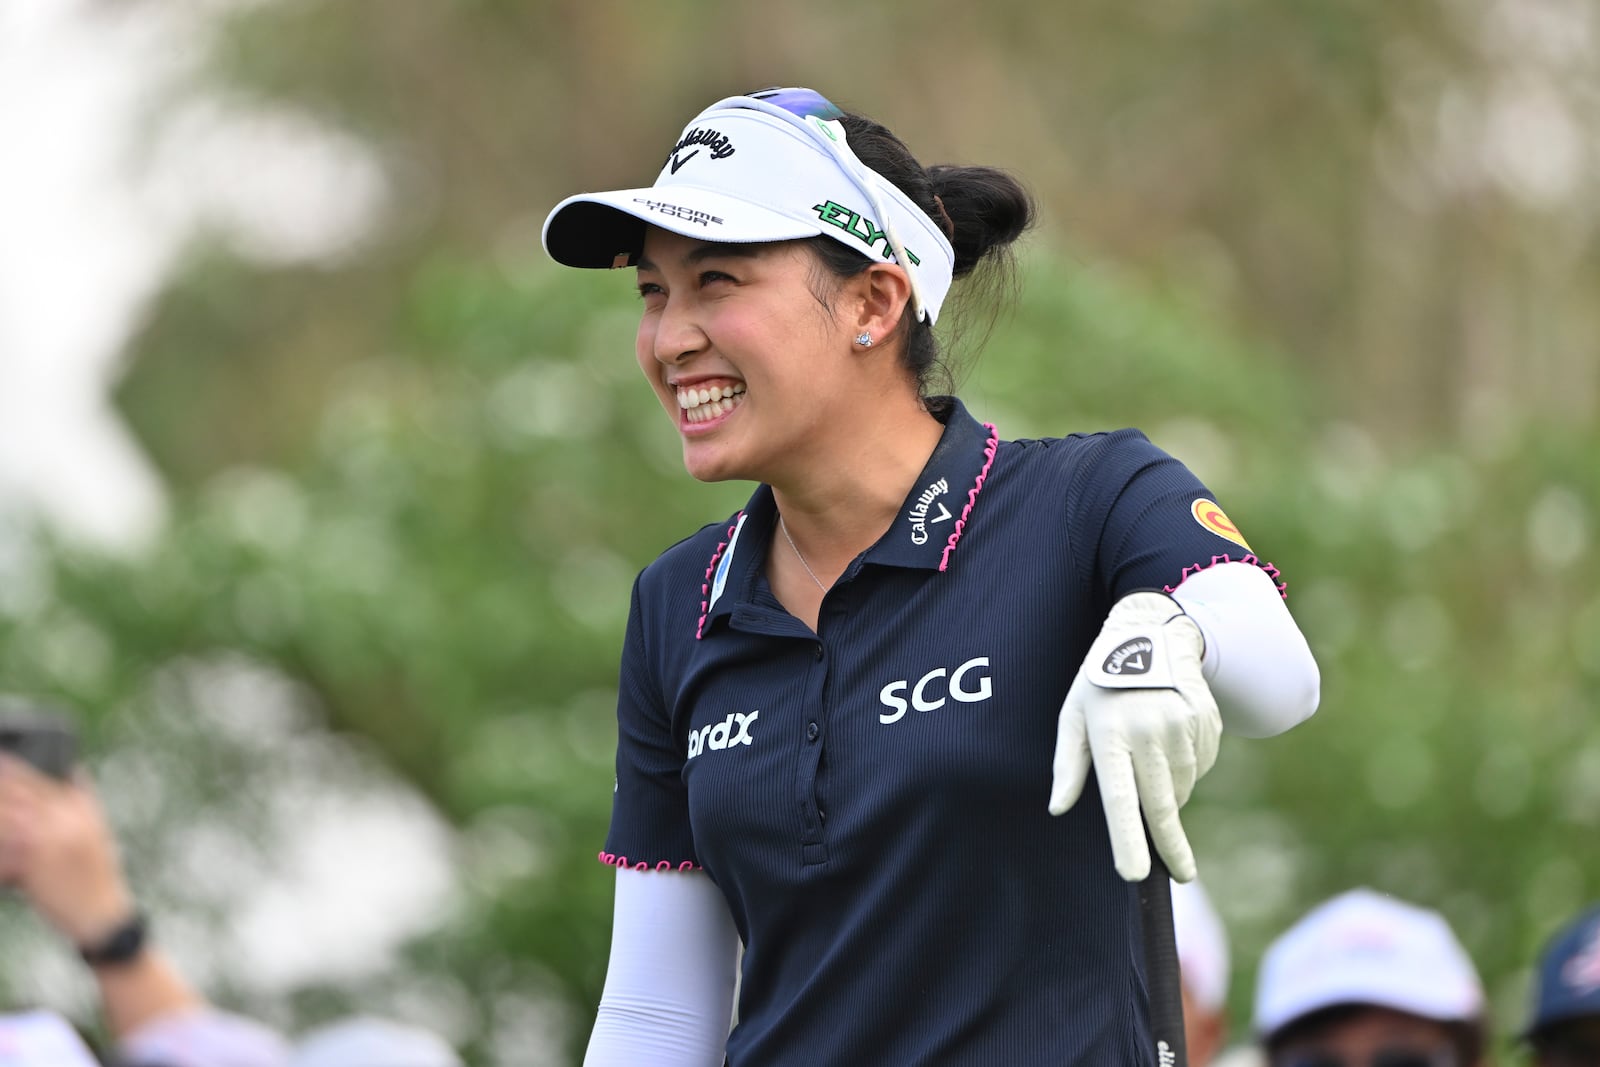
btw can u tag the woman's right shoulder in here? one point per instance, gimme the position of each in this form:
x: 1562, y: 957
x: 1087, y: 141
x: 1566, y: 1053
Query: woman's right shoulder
x: 1076, y: 456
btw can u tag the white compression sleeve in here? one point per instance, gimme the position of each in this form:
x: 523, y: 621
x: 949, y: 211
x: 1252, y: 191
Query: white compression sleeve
x: 669, y: 987
x: 1258, y: 663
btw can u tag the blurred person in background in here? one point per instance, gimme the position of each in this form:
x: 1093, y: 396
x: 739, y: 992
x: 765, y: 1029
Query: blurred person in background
x: 58, y: 852
x: 1203, y: 963
x: 1564, y: 1025
x: 1365, y: 980
x: 365, y: 1041
x: 41, y: 1039
x: 773, y: 783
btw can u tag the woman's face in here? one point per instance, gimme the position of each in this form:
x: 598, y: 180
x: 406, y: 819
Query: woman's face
x: 747, y: 362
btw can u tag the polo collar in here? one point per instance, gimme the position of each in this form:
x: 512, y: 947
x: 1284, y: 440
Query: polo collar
x: 926, y: 529
x: 936, y: 511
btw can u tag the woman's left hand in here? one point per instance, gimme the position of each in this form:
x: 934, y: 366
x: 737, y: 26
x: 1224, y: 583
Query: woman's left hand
x: 1140, y: 712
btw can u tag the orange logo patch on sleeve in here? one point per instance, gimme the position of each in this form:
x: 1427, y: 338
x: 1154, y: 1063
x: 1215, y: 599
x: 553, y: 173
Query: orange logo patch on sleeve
x: 1208, y: 514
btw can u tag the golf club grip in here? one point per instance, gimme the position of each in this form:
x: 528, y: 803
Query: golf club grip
x: 1161, y: 966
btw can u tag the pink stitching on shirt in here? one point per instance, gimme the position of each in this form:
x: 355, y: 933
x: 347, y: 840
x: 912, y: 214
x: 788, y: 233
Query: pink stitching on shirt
x: 611, y: 859
x: 711, y: 570
x: 1272, y: 572
x: 972, y: 494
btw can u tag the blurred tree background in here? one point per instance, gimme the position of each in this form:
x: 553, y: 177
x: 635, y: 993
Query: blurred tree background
x: 1341, y: 257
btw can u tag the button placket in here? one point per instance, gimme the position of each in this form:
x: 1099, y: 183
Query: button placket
x: 813, y: 849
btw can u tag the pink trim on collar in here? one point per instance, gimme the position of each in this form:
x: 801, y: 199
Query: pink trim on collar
x: 611, y: 859
x: 1272, y: 572
x: 972, y: 494
x: 711, y: 571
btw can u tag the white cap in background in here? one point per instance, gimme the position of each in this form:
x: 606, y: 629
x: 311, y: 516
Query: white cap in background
x: 1364, y: 947
x: 1202, y: 946
x: 364, y: 1041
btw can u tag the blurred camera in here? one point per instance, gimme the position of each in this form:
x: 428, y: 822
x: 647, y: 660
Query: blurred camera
x: 38, y: 735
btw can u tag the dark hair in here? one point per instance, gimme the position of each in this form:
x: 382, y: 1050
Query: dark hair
x: 981, y: 209
x: 1469, y: 1038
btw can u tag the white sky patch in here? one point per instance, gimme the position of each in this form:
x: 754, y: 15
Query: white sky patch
x: 358, y: 860
x: 1521, y: 120
x: 99, y: 192
x: 281, y: 187
x: 358, y: 871
x: 94, y: 218
x: 1533, y: 138
x: 78, y: 261
x: 1553, y: 33
x: 1532, y: 142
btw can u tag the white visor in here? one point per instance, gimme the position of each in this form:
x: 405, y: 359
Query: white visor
x: 745, y: 172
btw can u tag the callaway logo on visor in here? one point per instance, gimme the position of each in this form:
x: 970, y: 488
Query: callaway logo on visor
x: 718, y: 146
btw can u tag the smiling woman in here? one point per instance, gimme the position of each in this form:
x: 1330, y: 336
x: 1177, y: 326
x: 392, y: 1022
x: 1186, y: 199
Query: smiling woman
x: 837, y: 706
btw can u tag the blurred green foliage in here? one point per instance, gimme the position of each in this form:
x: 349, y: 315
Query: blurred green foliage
x: 416, y: 482
x: 446, y: 568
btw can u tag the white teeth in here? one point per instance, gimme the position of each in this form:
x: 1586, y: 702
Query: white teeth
x: 699, y: 405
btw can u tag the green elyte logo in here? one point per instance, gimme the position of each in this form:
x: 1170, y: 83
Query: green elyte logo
x: 860, y: 227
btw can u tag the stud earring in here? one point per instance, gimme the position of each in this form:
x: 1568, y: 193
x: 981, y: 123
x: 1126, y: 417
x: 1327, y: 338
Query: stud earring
x: 864, y: 340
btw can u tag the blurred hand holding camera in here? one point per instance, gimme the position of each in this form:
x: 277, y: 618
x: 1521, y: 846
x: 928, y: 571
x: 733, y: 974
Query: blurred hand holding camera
x: 57, y: 849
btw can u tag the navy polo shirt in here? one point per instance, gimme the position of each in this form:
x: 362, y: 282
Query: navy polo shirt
x: 870, y: 798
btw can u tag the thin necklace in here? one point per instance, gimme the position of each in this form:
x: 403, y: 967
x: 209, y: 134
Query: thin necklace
x: 799, y: 556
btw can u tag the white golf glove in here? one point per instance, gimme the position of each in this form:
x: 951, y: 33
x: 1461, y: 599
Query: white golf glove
x: 1141, y: 713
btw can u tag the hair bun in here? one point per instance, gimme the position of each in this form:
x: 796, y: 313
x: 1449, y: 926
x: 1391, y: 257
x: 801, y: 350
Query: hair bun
x: 987, y: 209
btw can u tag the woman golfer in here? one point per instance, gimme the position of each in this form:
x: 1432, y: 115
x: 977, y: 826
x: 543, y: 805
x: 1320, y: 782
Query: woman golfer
x: 857, y: 719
